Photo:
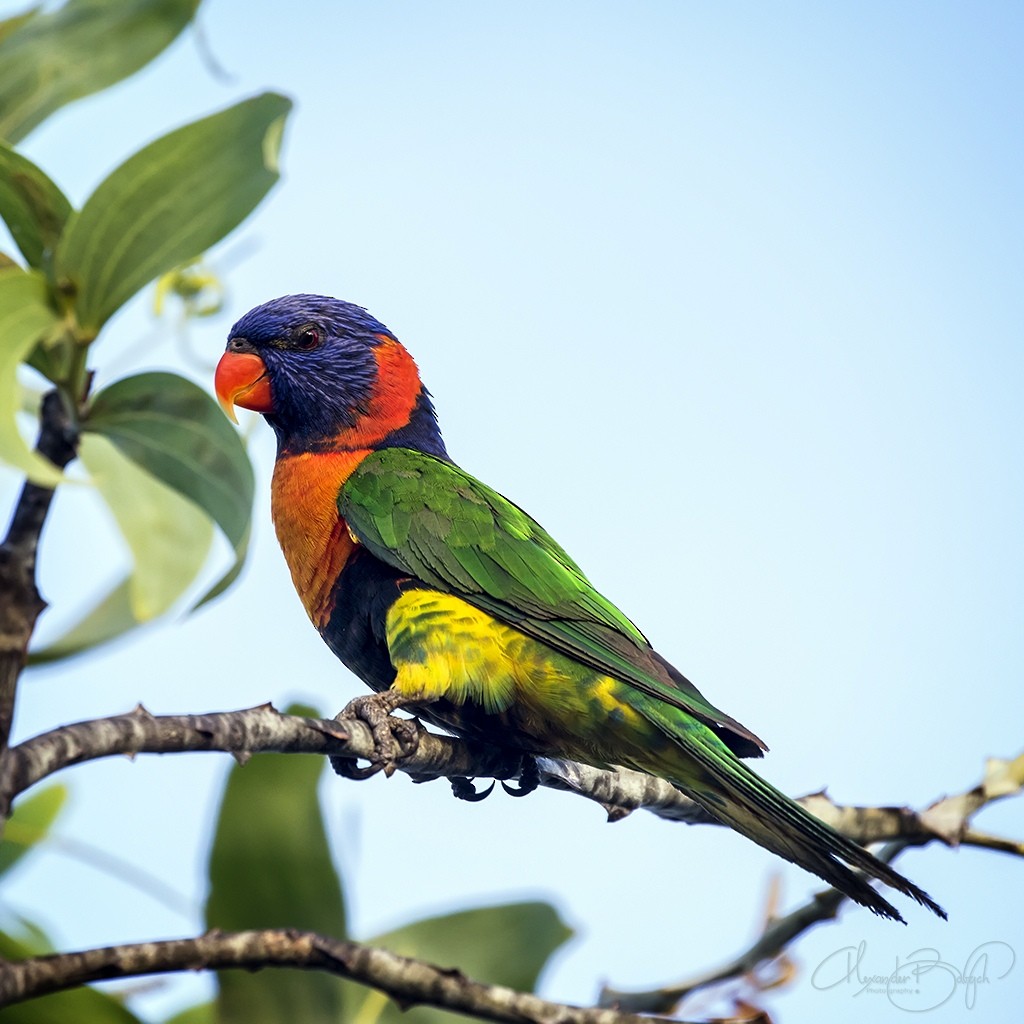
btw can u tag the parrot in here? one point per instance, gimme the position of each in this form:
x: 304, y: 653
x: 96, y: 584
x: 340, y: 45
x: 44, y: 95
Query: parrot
x: 449, y: 600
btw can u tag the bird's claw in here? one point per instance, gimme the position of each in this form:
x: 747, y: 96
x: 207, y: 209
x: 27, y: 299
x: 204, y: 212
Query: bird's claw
x: 347, y: 768
x: 529, y: 778
x: 463, y: 789
x: 393, y: 738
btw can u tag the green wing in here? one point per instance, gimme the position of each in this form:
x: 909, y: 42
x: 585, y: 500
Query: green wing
x: 433, y: 520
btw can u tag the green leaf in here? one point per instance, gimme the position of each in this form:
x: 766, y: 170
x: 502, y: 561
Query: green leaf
x: 271, y: 867
x: 169, y: 536
x: 202, y: 1013
x: 109, y: 619
x: 29, y: 824
x: 169, y: 203
x: 76, y: 1006
x: 159, y: 457
x: 32, y: 206
x: 24, y: 935
x: 241, y: 553
x: 175, y: 430
x: 86, y: 45
x: 508, y: 944
x: 25, y: 317
x: 11, y: 24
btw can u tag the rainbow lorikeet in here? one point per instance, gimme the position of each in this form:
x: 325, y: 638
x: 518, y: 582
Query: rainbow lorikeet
x: 444, y: 596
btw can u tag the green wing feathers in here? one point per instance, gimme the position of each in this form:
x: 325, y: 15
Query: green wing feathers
x: 433, y: 520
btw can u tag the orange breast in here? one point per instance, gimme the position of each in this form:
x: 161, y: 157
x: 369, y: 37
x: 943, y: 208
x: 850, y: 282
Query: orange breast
x: 313, y: 536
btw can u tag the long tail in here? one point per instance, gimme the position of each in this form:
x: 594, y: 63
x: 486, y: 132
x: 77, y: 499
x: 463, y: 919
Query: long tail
x: 739, y: 797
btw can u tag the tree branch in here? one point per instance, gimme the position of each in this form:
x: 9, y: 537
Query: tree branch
x: 949, y: 819
x: 263, y: 729
x: 241, y: 733
x: 408, y: 982
x: 20, y: 601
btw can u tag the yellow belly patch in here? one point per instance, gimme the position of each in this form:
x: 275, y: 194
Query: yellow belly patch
x: 444, y: 647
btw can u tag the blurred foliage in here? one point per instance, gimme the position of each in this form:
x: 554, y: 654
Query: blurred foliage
x: 158, y: 450
x: 26, y: 829
x: 50, y: 59
x: 200, y: 290
x: 29, y: 824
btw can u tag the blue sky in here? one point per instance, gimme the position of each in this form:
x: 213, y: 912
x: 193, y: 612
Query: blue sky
x: 728, y: 297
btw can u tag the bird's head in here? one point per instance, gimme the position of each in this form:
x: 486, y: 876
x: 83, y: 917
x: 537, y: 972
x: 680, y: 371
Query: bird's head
x: 326, y: 374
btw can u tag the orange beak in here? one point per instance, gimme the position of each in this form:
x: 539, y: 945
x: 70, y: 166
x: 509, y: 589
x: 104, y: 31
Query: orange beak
x: 241, y: 379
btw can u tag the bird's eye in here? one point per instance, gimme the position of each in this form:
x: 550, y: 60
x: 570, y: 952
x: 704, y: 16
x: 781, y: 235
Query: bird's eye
x: 308, y: 338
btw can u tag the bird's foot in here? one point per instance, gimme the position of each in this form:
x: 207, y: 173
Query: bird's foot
x: 463, y: 789
x: 529, y: 778
x: 393, y: 738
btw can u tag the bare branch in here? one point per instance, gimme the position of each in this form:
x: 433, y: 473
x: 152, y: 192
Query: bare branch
x: 263, y: 729
x: 947, y: 819
x: 242, y: 733
x: 20, y: 601
x: 408, y: 982
x: 972, y: 837
x: 772, y: 943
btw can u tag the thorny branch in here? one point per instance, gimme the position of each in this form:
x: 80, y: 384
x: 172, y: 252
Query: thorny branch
x: 409, y: 982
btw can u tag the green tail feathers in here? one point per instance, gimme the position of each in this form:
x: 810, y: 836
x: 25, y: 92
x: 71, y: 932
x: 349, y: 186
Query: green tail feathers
x: 739, y: 797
